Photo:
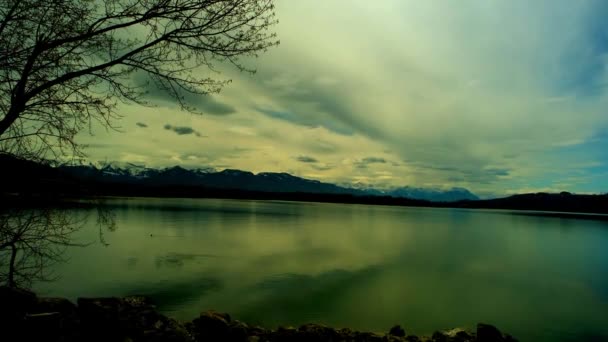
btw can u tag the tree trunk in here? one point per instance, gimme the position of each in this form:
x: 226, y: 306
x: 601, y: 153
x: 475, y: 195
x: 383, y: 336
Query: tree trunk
x: 8, y: 119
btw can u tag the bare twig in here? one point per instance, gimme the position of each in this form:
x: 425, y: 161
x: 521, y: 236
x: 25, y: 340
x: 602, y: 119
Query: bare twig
x: 67, y: 63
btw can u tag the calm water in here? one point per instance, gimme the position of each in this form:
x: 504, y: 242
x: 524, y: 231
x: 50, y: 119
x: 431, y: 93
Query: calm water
x: 365, y: 267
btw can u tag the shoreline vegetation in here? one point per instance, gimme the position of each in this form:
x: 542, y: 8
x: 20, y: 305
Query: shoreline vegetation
x: 26, y: 317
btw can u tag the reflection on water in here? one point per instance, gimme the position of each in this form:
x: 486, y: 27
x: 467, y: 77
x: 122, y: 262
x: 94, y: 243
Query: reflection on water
x: 36, y: 233
x: 31, y: 241
x: 172, y: 295
x: 365, y: 267
x: 177, y: 259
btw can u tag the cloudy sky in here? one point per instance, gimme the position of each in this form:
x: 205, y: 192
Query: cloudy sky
x: 498, y: 96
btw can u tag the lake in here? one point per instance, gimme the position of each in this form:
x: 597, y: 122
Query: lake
x: 358, y: 266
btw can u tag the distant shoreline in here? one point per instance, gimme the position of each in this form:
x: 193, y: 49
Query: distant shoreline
x: 11, y: 199
x: 433, y: 205
x: 35, y: 181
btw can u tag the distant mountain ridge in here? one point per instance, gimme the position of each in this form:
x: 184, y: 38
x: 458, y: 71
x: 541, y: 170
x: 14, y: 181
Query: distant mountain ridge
x: 245, y: 180
x: 24, y: 182
x: 434, y: 195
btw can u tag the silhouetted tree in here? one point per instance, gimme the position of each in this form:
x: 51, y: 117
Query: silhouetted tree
x: 66, y: 63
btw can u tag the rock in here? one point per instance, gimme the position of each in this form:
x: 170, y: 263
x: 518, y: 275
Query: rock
x: 345, y: 331
x: 61, y: 305
x: 509, y: 338
x: 488, y: 333
x: 239, y: 331
x: 14, y: 305
x: 462, y: 336
x: 317, y: 332
x: 286, y: 334
x: 211, y: 326
x: 138, y: 302
x: 53, y: 319
x: 458, y: 335
x: 166, y: 330
x: 346, y: 334
x: 439, y: 336
x: 16, y: 302
x: 368, y: 337
x: 99, y: 308
x: 397, y: 330
x: 48, y: 326
x: 135, y: 318
x: 257, y: 331
x: 101, y: 318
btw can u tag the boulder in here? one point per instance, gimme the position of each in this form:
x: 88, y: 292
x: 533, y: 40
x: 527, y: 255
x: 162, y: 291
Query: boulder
x: 101, y: 319
x: 16, y: 302
x: 509, y: 338
x: 439, y: 336
x: 317, y: 332
x: 49, y: 326
x: 135, y: 319
x: 165, y: 330
x: 53, y: 319
x: 368, y: 337
x: 346, y: 334
x: 488, y: 333
x: 130, y: 318
x: 462, y: 336
x: 459, y: 335
x: 50, y: 304
x: 397, y: 330
x: 211, y: 326
x: 14, y: 305
x: 257, y: 331
x: 286, y: 334
x: 239, y: 331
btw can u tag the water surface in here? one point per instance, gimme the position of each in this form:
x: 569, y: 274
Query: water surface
x: 364, y: 267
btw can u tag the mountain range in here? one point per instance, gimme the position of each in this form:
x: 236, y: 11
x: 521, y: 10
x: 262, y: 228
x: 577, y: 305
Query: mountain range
x: 247, y: 181
x: 24, y: 182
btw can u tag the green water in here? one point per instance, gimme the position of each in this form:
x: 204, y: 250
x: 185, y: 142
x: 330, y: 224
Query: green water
x: 358, y: 266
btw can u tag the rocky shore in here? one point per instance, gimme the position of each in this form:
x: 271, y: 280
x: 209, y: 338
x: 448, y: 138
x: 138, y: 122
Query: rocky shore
x: 26, y: 317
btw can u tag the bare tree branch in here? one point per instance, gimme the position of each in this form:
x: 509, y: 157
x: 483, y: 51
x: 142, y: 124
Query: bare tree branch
x: 66, y: 63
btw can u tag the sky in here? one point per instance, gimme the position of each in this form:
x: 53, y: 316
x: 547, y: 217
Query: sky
x: 498, y: 97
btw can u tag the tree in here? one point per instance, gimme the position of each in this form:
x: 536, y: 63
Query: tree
x: 67, y: 63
